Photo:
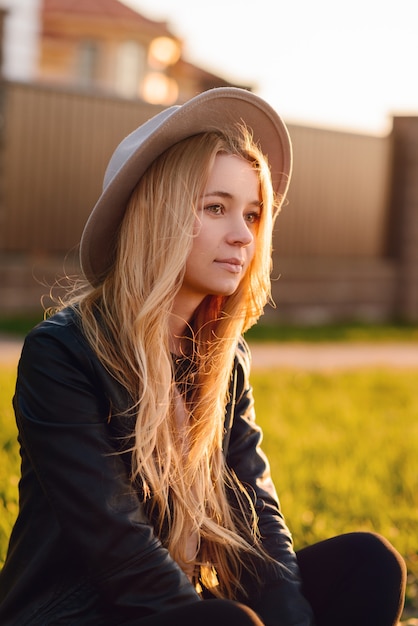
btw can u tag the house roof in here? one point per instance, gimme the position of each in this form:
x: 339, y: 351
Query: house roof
x: 107, y: 9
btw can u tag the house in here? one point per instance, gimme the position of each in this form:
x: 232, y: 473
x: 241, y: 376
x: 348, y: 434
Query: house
x: 20, y: 28
x: 99, y: 45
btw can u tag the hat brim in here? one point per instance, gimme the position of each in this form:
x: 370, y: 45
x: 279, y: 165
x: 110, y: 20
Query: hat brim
x: 216, y: 109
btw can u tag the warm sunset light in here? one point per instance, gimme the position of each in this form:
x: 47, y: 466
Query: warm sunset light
x: 320, y: 63
x: 159, y: 89
x: 164, y: 51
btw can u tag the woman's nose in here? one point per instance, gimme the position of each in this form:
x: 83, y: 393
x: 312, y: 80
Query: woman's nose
x: 240, y: 233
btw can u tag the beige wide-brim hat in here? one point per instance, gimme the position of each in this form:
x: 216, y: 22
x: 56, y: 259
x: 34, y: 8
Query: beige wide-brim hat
x: 217, y: 109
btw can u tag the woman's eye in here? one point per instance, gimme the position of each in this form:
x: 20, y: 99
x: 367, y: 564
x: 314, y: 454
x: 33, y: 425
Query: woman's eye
x: 253, y: 217
x: 215, y: 209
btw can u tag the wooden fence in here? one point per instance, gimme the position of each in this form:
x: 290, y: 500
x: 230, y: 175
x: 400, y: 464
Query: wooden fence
x: 338, y: 199
x: 56, y: 145
x: 332, y: 236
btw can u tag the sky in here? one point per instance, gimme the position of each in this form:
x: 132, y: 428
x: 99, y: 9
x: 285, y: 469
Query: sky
x: 327, y: 63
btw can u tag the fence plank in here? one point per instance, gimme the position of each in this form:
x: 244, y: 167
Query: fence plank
x: 56, y: 145
x: 338, y: 199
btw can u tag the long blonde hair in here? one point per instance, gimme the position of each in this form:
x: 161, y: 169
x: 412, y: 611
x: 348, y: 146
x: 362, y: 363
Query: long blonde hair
x: 183, y: 486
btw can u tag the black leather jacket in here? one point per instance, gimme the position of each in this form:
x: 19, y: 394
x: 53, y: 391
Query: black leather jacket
x: 82, y: 550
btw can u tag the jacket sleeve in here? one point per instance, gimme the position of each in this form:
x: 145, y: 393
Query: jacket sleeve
x: 62, y: 413
x: 279, y: 601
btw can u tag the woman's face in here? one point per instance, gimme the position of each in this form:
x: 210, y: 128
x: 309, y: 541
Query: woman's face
x: 225, y: 231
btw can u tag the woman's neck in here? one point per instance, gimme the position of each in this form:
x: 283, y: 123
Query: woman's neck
x: 182, y: 312
x: 178, y: 329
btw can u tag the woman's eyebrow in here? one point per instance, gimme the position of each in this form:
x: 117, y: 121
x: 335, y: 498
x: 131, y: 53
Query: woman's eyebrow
x: 226, y: 194
x: 222, y: 194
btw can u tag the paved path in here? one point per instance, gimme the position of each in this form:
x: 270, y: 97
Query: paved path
x: 328, y: 356
x: 9, y: 350
x: 321, y: 356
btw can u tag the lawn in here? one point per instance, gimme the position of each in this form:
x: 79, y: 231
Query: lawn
x: 343, y: 449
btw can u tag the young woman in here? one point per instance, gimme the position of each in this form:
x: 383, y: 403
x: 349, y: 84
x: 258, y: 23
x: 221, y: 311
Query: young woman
x: 145, y: 498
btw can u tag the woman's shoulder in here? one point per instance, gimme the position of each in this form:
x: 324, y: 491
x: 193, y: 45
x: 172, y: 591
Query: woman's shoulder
x: 67, y: 317
x: 58, y: 348
x: 243, y: 354
x: 62, y: 323
x: 60, y: 332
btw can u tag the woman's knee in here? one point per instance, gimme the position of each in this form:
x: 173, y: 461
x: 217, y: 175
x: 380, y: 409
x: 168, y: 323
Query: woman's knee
x: 214, y: 612
x: 359, y: 557
x: 379, y: 553
x: 357, y: 573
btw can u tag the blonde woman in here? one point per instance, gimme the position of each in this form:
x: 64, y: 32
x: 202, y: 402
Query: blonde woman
x: 145, y: 498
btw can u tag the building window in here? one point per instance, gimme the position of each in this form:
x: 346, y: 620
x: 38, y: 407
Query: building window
x: 88, y: 57
x: 130, y: 68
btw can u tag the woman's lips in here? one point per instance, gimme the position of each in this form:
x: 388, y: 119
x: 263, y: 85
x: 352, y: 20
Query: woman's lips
x: 231, y: 265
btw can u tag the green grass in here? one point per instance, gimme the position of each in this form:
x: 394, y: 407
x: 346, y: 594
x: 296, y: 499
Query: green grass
x: 349, y: 332
x: 9, y: 458
x: 343, y: 451
x: 342, y: 446
x: 19, y: 325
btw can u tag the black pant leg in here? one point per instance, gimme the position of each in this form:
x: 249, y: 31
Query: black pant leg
x: 356, y: 579
x: 205, y: 613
